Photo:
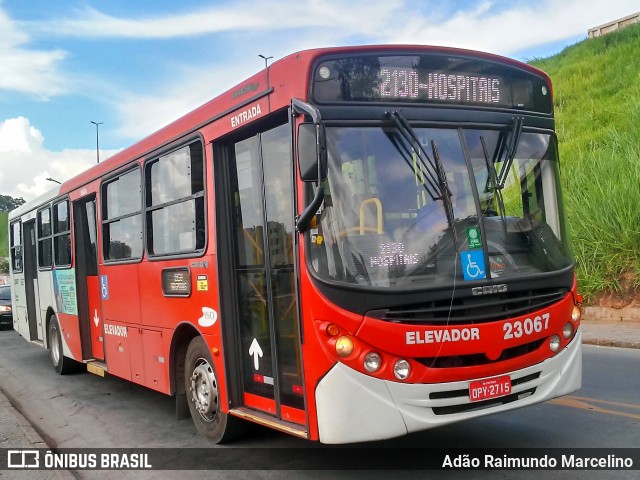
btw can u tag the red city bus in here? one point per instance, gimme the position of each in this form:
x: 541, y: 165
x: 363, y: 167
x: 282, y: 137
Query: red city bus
x: 351, y: 245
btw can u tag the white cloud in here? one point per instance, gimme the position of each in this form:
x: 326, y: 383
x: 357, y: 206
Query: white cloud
x: 25, y: 70
x: 475, y: 24
x: 515, y: 28
x: 363, y: 16
x: 143, y: 113
x: 23, y: 156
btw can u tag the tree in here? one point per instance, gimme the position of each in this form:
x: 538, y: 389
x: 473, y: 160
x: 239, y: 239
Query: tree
x: 8, y: 203
x: 4, y: 265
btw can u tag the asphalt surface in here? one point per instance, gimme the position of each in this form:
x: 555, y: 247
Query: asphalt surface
x: 17, y: 432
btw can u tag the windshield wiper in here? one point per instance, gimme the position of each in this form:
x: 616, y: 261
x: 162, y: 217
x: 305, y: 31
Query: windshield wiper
x: 511, y: 144
x: 507, y: 146
x: 495, y: 188
x: 436, y: 176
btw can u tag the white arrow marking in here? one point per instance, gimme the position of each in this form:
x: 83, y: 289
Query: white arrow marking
x: 256, y: 351
x: 96, y: 318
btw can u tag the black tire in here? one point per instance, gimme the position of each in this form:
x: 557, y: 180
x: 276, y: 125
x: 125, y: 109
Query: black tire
x: 62, y: 365
x: 201, y: 385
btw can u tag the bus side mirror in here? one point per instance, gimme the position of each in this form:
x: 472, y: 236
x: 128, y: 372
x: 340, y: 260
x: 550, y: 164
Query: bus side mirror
x: 311, y: 150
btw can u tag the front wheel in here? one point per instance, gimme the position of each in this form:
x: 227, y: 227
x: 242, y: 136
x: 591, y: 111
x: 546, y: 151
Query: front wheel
x: 62, y: 365
x: 201, y: 385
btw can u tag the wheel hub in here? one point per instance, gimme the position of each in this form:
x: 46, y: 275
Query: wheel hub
x: 204, y: 390
x: 55, y: 346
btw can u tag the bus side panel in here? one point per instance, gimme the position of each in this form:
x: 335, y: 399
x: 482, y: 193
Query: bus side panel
x: 136, y: 355
x: 18, y: 291
x: 116, y: 349
x: 200, y: 309
x: 121, y: 301
x: 155, y: 360
x: 147, y: 358
x: 71, y: 342
x: 45, y: 298
x: 120, y: 309
x: 163, y: 310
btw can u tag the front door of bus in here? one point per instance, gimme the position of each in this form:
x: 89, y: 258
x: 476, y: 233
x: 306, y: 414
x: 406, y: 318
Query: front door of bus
x: 89, y: 306
x: 263, y: 224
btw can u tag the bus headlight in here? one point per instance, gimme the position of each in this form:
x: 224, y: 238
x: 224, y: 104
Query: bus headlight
x: 567, y: 330
x: 344, y: 346
x: 555, y: 343
x: 402, y: 369
x: 5, y: 308
x: 372, y: 362
x: 576, y: 313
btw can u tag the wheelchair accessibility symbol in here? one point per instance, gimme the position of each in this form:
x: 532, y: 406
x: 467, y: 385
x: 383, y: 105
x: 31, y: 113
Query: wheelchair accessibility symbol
x: 104, y: 287
x: 473, y: 265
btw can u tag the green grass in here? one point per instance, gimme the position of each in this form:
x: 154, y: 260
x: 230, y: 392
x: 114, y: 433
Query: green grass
x: 4, y: 237
x: 597, y: 102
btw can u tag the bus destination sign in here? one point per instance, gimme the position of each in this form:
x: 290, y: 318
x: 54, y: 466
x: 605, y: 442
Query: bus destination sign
x: 429, y: 79
x: 405, y: 83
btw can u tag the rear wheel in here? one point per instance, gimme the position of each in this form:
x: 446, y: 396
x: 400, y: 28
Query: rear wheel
x: 62, y: 365
x: 201, y: 385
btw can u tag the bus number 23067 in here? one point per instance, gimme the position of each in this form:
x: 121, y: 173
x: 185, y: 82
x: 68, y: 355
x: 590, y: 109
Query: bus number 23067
x: 526, y: 327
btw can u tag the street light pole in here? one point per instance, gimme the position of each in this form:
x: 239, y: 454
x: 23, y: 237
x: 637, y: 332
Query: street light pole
x: 266, y: 67
x: 266, y: 60
x: 97, y: 143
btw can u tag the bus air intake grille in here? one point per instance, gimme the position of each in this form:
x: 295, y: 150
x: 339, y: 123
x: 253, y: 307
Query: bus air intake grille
x: 472, y: 310
x: 477, y: 359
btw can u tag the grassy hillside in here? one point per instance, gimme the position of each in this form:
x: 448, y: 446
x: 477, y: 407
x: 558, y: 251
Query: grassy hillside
x: 4, y: 237
x: 597, y: 100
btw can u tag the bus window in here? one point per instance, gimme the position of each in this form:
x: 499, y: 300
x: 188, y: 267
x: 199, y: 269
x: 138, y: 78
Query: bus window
x: 122, y: 225
x: 175, y: 202
x: 16, y: 247
x: 62, y: 234
x: 45, y: 254
x: 248, y: 206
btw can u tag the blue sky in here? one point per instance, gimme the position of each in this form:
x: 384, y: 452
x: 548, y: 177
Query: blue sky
x: 137, y: 65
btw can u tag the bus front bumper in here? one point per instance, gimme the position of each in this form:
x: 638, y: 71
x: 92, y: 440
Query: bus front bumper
x: 353, y: 407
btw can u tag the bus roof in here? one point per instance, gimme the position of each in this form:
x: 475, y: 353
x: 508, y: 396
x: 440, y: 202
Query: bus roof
x: 35, y: 203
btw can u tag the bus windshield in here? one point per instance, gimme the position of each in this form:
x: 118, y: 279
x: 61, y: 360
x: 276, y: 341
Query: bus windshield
x: 385, y: 220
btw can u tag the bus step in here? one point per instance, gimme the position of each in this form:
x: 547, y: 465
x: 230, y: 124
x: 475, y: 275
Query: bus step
x: 97, y: 368
x: 270, y: 421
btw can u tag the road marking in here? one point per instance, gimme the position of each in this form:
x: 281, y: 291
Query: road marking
x: 581, y: 403
x: 607, y: 402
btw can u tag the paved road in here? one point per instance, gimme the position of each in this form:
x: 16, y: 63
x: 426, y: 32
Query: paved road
x: 87, y: 411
